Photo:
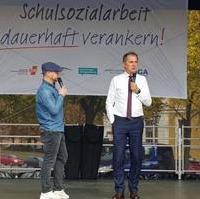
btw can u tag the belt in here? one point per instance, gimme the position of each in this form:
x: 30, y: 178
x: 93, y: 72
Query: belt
x: 128, y: 118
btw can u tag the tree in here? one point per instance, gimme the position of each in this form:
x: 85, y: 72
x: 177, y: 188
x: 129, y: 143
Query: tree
x: 17, y: 109
x: 84, y: 109
x: 92, y: 106
x: 191, y: 105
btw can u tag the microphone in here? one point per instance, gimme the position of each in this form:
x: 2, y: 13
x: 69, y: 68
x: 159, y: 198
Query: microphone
x: 60, y: 82
x: 132, y: 77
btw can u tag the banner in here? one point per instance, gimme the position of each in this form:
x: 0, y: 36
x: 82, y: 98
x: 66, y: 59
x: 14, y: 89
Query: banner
x: 88, y: 38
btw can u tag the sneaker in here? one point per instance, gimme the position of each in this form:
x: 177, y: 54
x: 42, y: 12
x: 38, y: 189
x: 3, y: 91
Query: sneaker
x: 49, y: 195
x: 61, y: 194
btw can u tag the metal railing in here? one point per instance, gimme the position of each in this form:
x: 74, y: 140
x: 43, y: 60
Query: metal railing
x: 27, y: 144
x: 161, y: 144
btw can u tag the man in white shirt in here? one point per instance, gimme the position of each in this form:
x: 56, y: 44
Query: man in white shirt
x: 127, y: 94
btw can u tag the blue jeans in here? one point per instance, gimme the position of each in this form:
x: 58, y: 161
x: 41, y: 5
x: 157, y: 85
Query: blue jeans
x: 55, y: 156
x: 131, y: 130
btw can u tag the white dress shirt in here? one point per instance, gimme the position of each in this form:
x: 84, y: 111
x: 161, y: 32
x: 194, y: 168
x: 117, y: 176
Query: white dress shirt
x: 116, y: 102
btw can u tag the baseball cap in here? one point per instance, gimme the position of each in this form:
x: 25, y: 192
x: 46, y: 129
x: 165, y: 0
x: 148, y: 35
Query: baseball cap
x: 50, y: 66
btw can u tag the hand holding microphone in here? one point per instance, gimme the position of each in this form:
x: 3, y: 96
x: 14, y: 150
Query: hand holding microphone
x: 62, y: 91
x: 133, y: 86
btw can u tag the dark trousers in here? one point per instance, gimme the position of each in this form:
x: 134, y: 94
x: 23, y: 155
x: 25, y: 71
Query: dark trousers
x: 55, y: 157
x: 131, y: 130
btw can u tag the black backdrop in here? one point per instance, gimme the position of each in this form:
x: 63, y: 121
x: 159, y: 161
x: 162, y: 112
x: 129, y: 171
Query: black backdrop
x: 194, y: 5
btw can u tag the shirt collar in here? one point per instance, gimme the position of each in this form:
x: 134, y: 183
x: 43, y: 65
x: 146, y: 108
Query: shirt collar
x: 45, y: 82
x: 126, y: 74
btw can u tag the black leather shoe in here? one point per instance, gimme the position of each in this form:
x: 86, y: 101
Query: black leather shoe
x: 118, y: 196
x: 134, y: 195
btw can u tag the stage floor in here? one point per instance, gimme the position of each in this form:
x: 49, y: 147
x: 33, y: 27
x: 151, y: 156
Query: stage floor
x: 102, y: 189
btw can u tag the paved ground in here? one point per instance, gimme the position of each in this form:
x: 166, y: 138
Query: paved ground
x: 102, y: 189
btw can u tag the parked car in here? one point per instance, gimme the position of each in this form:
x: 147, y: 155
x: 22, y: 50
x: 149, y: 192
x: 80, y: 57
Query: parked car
x: 192, y: 170
x: 34, y: 162
x: 193, y: 166
x: 155, y: 158
x: 11, y: 160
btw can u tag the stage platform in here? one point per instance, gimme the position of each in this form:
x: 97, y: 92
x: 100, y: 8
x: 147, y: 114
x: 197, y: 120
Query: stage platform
x: 102, y: 189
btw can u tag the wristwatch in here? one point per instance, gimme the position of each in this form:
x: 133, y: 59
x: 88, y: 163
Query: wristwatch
x: 138, y: 91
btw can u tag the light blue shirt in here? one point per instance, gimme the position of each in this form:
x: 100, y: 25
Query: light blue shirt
x: 49, y: 108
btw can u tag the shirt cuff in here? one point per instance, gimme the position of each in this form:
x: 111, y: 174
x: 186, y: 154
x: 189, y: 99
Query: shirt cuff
x: 112, y: 119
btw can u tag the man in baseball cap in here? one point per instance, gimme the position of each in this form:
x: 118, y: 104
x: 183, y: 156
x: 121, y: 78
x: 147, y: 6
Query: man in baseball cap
x: 50, y: 115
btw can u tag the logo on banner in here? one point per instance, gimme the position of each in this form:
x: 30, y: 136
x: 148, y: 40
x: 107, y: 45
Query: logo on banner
x: 27, y: 71
x: 87, y: 71
x: 141, y: 71
x: 114, y: 71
